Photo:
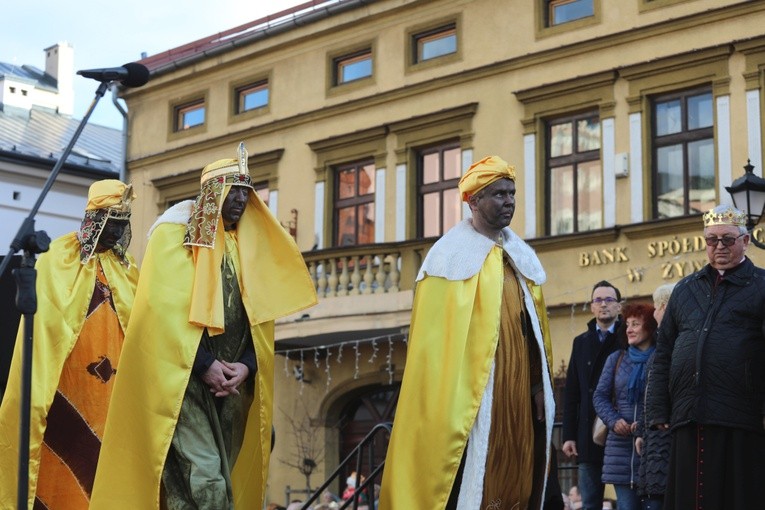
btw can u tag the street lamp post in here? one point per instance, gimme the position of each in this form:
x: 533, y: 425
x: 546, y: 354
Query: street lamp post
x: 748, y: 194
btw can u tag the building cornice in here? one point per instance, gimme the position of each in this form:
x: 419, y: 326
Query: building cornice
x: 540, y: 58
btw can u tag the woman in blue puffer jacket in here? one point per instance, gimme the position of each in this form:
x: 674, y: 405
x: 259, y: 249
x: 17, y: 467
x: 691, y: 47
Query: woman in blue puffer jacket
x: 618, y: 402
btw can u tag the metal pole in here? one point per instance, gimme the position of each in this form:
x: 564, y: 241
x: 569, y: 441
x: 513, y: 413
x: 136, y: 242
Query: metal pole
x: 26, y: 302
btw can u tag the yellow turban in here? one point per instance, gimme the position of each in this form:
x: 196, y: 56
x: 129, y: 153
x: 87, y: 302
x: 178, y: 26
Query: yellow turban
x: 484, y: 172
x: 110, y: 194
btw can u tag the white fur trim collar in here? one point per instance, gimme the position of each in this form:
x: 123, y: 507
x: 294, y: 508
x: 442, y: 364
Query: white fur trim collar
x: 179, y: 213
x: 461, y: 252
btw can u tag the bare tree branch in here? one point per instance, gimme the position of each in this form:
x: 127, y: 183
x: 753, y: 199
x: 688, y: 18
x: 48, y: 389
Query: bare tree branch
x: 308, y: 445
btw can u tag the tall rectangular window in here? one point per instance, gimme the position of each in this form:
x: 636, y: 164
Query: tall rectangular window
x: 563, y: 11
x: 683, y: 153
x: 353, y: 67
x: 261, y: 188
x: 354, y: 215
x: 252, y: 96
x: 438, y: 199
x: 435, y: 43
x: 574, y: 176
x: 189, y: 115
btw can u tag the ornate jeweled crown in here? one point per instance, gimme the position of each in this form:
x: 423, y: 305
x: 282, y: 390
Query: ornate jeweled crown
x: 728, y: 217
x: 225, y: 167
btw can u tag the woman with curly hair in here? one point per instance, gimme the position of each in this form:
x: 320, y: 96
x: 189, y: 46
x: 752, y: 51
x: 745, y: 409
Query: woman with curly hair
x: 618, y: 400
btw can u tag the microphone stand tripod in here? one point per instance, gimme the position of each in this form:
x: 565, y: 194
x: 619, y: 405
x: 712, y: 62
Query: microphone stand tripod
x: 34, y: 242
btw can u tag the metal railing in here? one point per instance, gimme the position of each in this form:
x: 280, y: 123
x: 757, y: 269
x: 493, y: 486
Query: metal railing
x: 369, y: 442
x: 566, y: 470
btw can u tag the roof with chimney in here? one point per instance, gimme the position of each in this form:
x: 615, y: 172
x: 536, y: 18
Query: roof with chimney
x: 33, y: 133
x: 29, y: 74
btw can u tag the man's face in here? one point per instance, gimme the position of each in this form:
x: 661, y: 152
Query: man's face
x: 721, y: 256
x: 234, y: 205
x: 494, y: 205
x: 111, y: 233
x: 605, y: 307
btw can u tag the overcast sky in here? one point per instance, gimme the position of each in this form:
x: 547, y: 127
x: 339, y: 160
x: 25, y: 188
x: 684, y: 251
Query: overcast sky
x: 109, y: 34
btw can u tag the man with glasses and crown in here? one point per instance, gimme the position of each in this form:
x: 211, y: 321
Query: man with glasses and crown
x: 708, y: 380
x: 85, y: 287
x: 191, y: 423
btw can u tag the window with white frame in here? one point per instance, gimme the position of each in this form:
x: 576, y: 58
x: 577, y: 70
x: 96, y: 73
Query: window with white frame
x: 438, y: 198
x: 574, y: 174
x: 682, y: 138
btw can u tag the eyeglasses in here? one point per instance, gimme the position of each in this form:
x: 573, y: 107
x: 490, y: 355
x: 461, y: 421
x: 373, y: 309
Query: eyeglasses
x: 727, y: 240
x: 606, y: 300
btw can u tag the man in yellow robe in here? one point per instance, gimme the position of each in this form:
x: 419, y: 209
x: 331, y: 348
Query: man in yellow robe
x: 191, y: 422
x: 475, y: 414
x: 85, y: 288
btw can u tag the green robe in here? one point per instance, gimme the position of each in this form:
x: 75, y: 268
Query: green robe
x: 210, y: 430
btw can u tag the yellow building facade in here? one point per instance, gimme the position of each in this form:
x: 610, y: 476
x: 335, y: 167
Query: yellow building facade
x: 624, y: 119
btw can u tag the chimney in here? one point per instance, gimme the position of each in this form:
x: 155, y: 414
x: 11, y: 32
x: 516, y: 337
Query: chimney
x: 59, y: 63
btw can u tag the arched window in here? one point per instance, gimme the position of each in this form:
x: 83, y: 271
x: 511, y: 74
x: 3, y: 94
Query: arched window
x: 377, y: 404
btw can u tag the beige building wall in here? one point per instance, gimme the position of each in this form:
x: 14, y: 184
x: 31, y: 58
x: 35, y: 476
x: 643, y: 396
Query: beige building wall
x: 509, y: 75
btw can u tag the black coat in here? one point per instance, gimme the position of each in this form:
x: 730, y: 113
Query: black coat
x: 654, y: 462
x: 710, y: 355
x: 588, y: 356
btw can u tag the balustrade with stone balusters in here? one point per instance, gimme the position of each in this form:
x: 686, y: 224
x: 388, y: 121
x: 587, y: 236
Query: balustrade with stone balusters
x: 365, y: 270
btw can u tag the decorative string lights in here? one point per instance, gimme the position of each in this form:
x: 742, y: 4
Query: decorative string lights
x: 356, y: 371
x: 389, y: 361
x: 374, y: 351
x: 299, y: 355
x: 302, y: 372
x: 327, y: 371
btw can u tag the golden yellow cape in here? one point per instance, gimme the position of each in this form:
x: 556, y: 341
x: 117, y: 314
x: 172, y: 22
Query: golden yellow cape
x: 453, y: 339
x: 159, y: 352
x: 64, y: 290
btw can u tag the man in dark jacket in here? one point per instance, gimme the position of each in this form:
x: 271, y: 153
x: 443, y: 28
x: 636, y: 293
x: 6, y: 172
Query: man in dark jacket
x: 588, y: 356
x: 708, y: 379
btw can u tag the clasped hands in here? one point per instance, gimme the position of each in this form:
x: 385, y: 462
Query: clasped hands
x: 622, y: 428
x: 223, y: 378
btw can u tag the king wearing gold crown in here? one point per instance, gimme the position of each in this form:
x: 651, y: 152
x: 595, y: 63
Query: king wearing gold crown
x: 726, y: 216
x: 85, y: 288
x: 707, y: 384
x: 191, y: 425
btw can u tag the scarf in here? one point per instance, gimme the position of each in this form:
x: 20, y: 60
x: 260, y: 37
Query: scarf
x: 637, y: 376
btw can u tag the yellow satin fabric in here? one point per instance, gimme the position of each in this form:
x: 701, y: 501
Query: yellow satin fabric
x: 156, y: 363
x: 453, y: 337
x: 452, y: 344
x: 109, y: 193
x: 544, y: 324
x: 484, y: 172
x: 269, y: 262
x: 64, y: 289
